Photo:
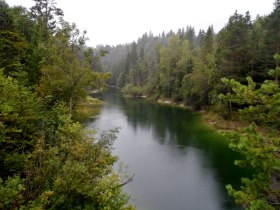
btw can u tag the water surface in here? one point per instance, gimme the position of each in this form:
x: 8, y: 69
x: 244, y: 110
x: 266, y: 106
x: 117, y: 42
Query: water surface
x: 178, y: 163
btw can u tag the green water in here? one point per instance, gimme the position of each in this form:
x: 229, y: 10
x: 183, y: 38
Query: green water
x: 179, y: 164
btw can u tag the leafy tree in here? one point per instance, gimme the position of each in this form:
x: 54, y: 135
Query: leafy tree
x: 168, y: 61
x: 47, y: 160
x: 66, y: 76
x: 261, y: 154
x: 10, y: 192
x: 132, y: 90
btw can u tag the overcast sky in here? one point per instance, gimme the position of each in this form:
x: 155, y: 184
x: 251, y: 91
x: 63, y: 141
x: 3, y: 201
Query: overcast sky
x: 123, y: 21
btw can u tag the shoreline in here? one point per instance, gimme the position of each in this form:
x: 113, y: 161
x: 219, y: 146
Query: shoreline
x: 210, y: 119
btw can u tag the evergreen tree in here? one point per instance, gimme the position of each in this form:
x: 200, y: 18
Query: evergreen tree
x: 233, y: 55
x: 46, y: 12
x: 6, y: 19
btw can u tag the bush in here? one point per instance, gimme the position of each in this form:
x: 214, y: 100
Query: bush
x: 132, y: 90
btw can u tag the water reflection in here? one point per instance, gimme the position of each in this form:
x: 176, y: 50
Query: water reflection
x: 178, y: 163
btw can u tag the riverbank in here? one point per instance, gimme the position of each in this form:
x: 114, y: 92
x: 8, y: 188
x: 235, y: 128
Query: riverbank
x: 166, y: 101
x: 215, y: 121
x: 87, y: 108
x: 212, y: 120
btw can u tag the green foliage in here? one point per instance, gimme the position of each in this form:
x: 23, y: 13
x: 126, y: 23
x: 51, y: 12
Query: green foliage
x: 10, y: 192
x: 184, y: 67
x: 47, y: 160
x: 132, y: 90
x: 20, y: 112
x: 258, y: 105
x: 261, y: 154
x: 66, y: 76
x: 6, y: 19
x: 12, y: 50
x: 63, y: 165
x: 175, y: 61
x: 233, y: 55
x: 275, y: 72
x: 164, y: 63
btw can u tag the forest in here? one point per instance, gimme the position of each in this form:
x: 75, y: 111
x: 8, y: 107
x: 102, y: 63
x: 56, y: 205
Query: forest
x: 48, y: 160
x: 234, y: 73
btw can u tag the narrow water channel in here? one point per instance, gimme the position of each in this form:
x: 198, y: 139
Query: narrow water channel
x: 178, y: 163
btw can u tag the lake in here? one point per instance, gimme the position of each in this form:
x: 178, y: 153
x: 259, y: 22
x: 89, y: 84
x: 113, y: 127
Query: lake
x: 178, y: 163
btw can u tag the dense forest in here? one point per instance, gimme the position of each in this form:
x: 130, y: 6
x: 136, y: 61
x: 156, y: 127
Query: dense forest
x: 50, y: 161
x: 234, y: 73
x: 188, y: 67
x: 47, y: 160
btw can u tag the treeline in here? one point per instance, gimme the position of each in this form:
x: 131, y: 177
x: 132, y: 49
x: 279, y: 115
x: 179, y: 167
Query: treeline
x: 186, y: 67
x: 234, y: 72
x: 47, y: 160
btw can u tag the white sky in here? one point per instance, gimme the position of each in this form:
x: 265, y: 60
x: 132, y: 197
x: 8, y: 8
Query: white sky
x: 123, y: 21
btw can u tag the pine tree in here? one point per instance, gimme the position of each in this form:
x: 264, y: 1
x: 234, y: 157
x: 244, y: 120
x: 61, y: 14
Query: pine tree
x: 45, y: 11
